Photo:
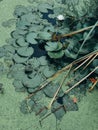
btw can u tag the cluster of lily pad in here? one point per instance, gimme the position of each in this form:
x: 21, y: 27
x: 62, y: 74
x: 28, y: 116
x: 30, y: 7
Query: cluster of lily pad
x: 27, y: 50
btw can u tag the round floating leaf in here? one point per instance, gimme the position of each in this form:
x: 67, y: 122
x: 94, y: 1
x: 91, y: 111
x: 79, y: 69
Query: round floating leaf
x: 30, y: 104
x: 69, y: 104
x: 49, y: 28
x: 34, y: 62
x: 25, y: 51
x: 58, y: 110
x: 56, y: 55
x: 9, y: 48
x: 18, y: 85
x: 70, y: 54
x: 48, y: 72
x: 44, y: 35
x: 30, y: 38
x: 21, y: 41
x: 43, y: 60
x: 20, y: 10
x: 15, y: 34
x: 24, y: 107
x: 51, y: 46
x: 21, y: 24
x: 29, y: 17
x: 19, y: 75
x: 51, y: 89
x: 19, y: 59
x: 32, y: 83
x: 35, y: 28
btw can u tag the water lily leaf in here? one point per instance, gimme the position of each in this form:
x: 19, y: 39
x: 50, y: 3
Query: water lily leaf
x: 51, y: 89
x: 20, y: 10
x: 21, y: 41
x: 24, y: 107
x: 70, y: 54
x: 57, y: 110
x: 49, y: 29
x: 19, y: 59
x: 51, y: 46
x: 25, y: 51
x: 43, y: 60
x: 42, y: 8
x: 29, y: 17
x: 35, y: 62
x: 32, y: 83
x: 31, y: 104
x: 9, y: 48
x: 30, y: 38
x: 56, y: 55
x: 18, y: 84
x: 21, y: 24
x: 59, y: 47
x: 19, y: 75
x: 15, y: 34
x: 44, y: 35
x: 35, y: 28
x: 48, y: 72
x: 69, y: 104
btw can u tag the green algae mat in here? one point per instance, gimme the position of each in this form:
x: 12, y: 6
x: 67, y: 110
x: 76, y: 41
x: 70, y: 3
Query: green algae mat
x: 37, y: 62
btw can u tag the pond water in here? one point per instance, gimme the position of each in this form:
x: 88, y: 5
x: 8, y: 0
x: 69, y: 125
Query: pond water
x: 25, y: 63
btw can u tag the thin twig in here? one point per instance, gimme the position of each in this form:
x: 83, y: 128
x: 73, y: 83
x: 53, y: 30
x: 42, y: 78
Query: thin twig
x: 90, y: 61
x: 59, y: 88
x: 73, y: 33
x: 81, y: 80
x: 83, y: 62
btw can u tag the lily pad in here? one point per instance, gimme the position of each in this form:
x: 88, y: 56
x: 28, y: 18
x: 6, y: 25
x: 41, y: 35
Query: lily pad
x: 25, y: 51
x: 44, y: 35
x: 19, y: 59
x: 69, y: 104
x: 20, y: 10
x: 58, y: 110
x: 30, y: 38
x: 43, y: 60
x: 32, y: 83
x: 48, y: 72
x: 51, y: 46
x: 35, y: 28
x: 9, y: 48
x: 51, y: 89
x: 56, y: 55
x: 18, y: 84
x: 34, y: 62
x: 21, y: 41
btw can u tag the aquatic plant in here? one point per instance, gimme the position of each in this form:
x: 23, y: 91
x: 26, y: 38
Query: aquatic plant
x: 54, y: 57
